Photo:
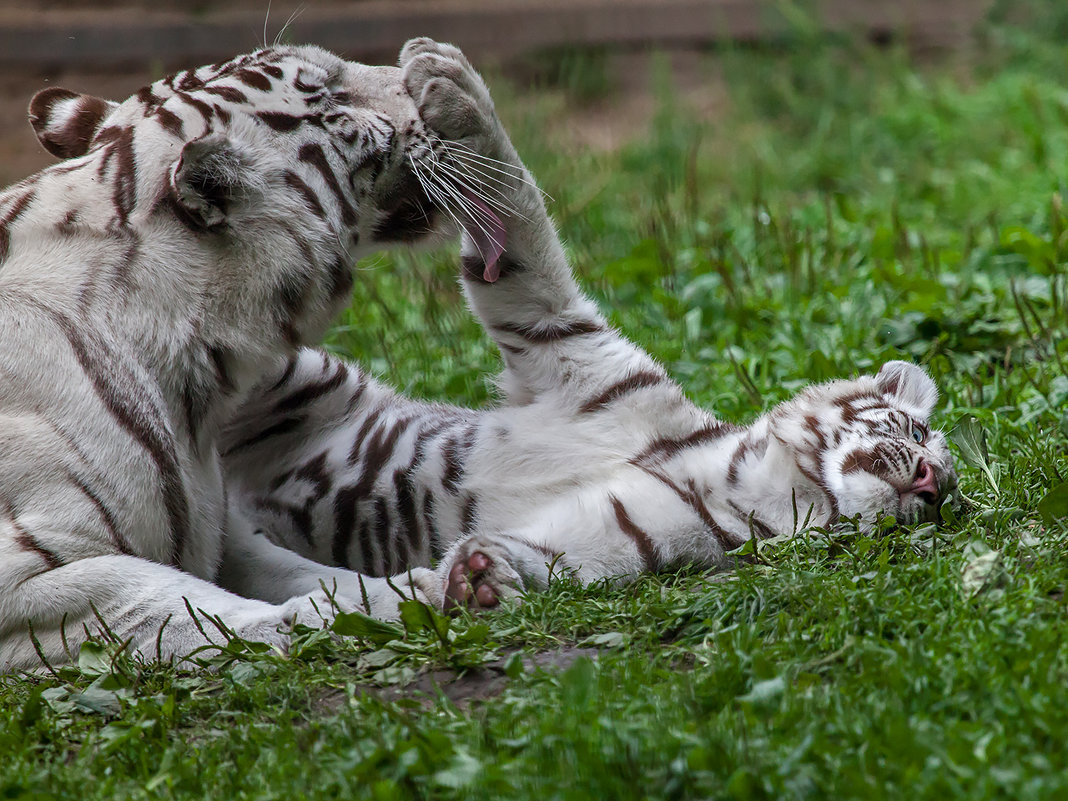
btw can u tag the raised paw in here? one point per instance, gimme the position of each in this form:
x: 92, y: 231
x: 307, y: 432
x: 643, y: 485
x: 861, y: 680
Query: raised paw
x: 450, y: 95
x: 478, y: 171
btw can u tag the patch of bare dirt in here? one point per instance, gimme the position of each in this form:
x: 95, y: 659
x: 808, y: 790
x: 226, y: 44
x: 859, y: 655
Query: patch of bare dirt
x: 626, y: 113
x: 473, y: 687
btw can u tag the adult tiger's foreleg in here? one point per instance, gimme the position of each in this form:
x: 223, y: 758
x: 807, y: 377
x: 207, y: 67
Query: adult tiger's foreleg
x: 161, y: 612
x: 55, y: 607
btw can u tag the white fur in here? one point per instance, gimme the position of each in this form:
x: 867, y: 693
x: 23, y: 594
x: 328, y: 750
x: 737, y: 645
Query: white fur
x: 119, y: 321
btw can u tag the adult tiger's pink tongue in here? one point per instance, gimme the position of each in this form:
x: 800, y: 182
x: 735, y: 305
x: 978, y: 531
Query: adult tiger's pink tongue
x: 488, y: 234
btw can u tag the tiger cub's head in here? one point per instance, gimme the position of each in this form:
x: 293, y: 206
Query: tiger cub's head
x: 289, y: 160
x: 868, y: 442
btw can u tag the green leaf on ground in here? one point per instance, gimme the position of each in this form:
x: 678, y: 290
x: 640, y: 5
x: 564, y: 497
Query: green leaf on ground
x: 357, y: 624
x: 983, y: 572
x: 970, y: 437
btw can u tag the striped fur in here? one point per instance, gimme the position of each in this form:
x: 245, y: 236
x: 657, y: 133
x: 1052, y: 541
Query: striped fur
x: 193, y: 236
x: 595, y: 463
x: 168, y: 439
x: 356, y: 476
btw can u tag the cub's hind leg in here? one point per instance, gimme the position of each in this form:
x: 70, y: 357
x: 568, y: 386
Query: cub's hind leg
x: 516, y: 275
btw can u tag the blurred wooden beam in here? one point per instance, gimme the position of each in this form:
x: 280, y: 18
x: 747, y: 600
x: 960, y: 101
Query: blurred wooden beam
x: 373, y: 30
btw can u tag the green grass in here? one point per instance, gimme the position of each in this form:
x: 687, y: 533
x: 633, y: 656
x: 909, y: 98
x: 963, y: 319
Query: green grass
x: 848, y: 207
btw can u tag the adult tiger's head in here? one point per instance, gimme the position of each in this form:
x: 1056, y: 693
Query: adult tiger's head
x: 868, y: 442
x: 281, y: 167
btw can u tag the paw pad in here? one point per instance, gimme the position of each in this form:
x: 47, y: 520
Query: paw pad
x: 467, y: 587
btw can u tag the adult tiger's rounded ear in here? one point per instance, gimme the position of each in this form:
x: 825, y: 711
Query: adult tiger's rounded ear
x: 910, y: 386
x: 66, y: 122
x: 207, y: 179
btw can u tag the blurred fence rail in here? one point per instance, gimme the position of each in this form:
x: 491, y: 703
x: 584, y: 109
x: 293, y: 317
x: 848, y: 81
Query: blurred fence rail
x: 112, y: 34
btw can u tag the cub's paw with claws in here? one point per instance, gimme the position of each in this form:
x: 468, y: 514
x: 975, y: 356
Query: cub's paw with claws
x: 451, y: 96
x: 478, y: 576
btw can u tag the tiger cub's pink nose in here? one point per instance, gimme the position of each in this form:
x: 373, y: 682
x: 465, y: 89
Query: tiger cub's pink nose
x: 924, y: 482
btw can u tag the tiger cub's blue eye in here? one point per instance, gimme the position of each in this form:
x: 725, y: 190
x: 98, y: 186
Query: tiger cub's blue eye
x: 917, y: 434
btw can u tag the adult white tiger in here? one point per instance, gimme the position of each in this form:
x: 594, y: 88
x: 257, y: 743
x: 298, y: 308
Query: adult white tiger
x: 596, y: 462
x: 195, y: 234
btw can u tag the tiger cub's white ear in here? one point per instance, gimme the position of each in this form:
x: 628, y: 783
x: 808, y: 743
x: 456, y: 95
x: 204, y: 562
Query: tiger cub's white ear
x: 66, y: 122
x: 209, y: 175
x: 910, y: 385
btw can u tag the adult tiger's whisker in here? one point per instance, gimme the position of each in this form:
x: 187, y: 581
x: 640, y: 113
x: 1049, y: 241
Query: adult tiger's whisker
x: 445, y: 179
x: 469, y: 158
x: 292, y: 18
x: 463, y: 152
x: 463, y: 166
x: 460, y: 176
x: 433, y: 191
x: 457, y: 149
x: 483, y: 191
x: 446, y: 196
x: 499, y: 205
x: 467, y: 150
x: 469, y: 180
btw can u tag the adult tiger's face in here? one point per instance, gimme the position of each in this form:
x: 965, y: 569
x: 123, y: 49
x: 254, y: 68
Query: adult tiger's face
x: 869, y: 443
x: 290, y: 162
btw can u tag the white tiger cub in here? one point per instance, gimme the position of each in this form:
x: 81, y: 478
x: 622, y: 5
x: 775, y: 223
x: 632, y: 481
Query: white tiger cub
x: 596, y: 463
x: 194, y: 236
